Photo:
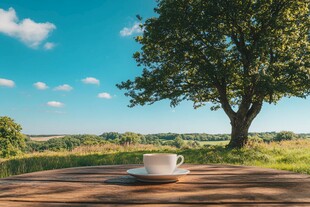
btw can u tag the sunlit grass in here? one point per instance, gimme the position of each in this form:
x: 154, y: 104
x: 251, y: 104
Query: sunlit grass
x: 202, y: 143
x: 286, y: 155
x: 108, y: 154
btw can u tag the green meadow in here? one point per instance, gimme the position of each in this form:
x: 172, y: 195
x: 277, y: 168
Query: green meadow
x: 225, y: 142
x: 293, y: 155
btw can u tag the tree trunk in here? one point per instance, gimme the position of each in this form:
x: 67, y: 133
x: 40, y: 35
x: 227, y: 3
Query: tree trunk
x: 239, y: 133
x: 241, y: 120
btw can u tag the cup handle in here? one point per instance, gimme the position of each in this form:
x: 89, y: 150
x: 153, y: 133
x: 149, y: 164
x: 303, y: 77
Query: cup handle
x: 182, y: 160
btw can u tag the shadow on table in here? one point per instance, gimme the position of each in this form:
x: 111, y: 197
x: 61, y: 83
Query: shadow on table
x: 129, y: 180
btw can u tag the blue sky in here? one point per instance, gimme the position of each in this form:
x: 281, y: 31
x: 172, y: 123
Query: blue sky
x: 60, y: 61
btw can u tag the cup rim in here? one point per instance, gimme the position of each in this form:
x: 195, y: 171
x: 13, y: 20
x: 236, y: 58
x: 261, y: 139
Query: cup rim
x: 158, y: 154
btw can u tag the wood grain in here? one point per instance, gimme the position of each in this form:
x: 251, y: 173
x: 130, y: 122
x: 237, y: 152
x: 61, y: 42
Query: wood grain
x: 212, y: 185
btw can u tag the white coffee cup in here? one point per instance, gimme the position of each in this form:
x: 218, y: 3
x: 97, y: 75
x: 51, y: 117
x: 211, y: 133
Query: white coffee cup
x: 161, y: 163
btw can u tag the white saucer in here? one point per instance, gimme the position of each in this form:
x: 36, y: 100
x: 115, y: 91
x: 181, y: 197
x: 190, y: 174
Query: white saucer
x: 141, y: 175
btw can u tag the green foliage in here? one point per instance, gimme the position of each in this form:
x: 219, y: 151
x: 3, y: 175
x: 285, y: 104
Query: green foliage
x: 265, y: 136
x: 194, y: 48
x: 192, y: 136
x: 89, y: 139
x: 179, y: 142
x: 68, y: 143
x: 110, y: 135
x: 193, y: 144
x: 58, y: 144
x: 35, y: 146
x: 129, y: 138
x: 12, y: 141
x: 235, y: 54
x: 285, y: 135
x: 256, y: 139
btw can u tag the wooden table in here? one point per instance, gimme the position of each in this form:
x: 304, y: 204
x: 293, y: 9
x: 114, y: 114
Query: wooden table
x: 206, y: 185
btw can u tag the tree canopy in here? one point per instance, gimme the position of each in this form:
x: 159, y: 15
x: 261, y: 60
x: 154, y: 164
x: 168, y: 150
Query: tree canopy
x: 129, y: 138
x: 285, y: 135
x: 12, y: 141
x: 235, y: 54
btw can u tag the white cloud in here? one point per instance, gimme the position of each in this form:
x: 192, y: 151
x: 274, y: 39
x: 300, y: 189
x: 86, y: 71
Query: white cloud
x: 26, y: 30
x: 91, y: 80
x: 104, y: 95
x: 135, y: 29
x: 7, y: 83
x: 64, y: 87
x: 55, y: 104
x: 49, y: 45
x: 40, y: 85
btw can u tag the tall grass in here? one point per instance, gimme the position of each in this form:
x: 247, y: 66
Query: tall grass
x: 108, y: 154
x: 286, y: 155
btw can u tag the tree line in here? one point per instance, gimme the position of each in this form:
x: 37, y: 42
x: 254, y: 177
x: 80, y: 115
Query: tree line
x: 13, y: 142
x: 193, y: 140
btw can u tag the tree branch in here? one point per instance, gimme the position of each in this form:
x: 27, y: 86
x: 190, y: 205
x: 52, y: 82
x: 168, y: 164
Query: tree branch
x: 255, y: 109
x: 224, y: 101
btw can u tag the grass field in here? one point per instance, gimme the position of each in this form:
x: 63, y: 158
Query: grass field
x: 286, y: 155
x: 45, y: 138
x: 202, y: 143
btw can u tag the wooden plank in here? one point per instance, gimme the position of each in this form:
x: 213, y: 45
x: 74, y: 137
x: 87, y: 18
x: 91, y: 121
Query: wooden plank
x: 40, y: 204
x: 102, y: 174
x: 207, y: 184
x: 154, y: 193
x: 189, y: 179
x: 195, y: 169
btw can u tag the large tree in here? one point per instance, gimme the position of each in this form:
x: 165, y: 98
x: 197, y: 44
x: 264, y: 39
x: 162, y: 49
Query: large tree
x: 235, y: 54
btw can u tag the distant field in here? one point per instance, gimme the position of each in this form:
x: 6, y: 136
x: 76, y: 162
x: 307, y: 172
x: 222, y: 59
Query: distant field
x: 45, y: 138
x: 211, y: 142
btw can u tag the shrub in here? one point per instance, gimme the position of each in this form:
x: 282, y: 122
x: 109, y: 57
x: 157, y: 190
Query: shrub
x: 285, y: 135
x: 178, y: 142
